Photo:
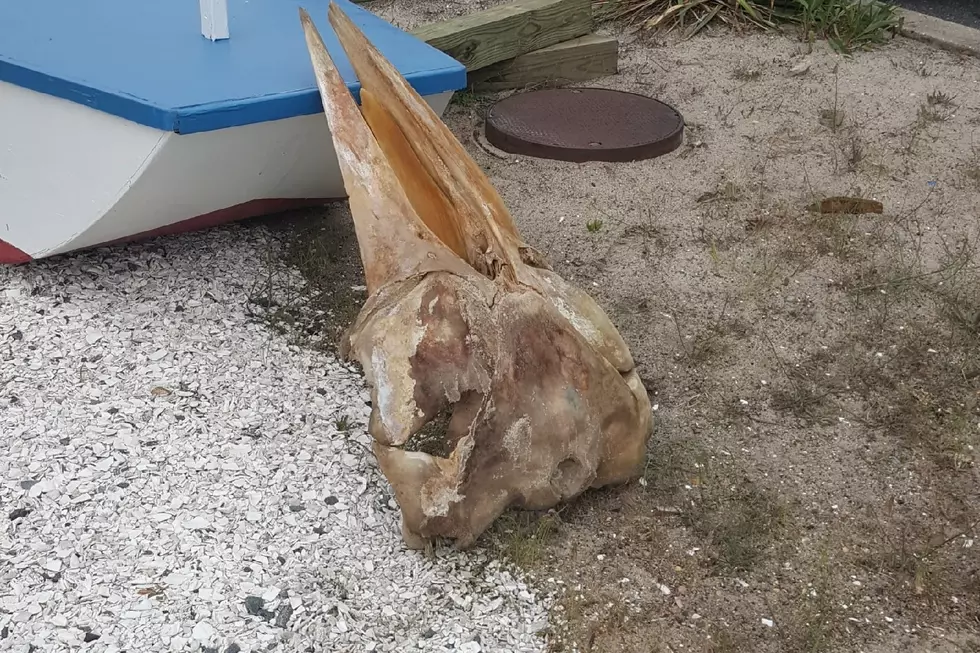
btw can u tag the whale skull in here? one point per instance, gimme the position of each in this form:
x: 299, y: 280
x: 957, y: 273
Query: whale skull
x: 494, y: 382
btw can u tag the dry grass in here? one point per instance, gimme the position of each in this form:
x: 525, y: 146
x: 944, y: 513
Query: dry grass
x: 524, y: 538
x: 848, y: 25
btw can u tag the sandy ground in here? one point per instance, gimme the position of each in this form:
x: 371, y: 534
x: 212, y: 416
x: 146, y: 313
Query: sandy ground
x: 812, y: 482
x: 817, y: 402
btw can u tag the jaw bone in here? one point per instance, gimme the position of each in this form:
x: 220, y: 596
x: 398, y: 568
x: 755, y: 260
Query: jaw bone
x: 495, y: 383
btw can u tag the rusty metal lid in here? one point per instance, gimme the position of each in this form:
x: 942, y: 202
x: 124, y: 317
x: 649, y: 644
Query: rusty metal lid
x: 584, y: 124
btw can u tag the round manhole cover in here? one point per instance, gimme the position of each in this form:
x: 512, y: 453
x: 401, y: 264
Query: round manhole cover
x: 584, y: 124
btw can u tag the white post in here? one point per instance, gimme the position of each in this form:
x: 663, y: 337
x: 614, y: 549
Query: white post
x: 214, y: 19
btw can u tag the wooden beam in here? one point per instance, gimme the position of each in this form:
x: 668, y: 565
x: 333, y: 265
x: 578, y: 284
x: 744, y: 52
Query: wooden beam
x: 577, y: 60
x: 483, y: 38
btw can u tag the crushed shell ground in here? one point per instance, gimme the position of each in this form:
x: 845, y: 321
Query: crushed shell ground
x: 177, y: 477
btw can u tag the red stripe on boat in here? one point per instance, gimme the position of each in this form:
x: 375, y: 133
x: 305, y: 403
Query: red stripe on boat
x: 10, y: 255
x: 252, y: 209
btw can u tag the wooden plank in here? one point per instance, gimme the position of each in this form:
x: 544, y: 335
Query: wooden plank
x: 507, y: 31
x: 577, y: 60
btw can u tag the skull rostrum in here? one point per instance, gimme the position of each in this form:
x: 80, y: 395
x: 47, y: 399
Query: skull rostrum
x: 494, y: 382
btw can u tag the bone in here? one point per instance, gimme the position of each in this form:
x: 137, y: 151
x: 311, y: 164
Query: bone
x: 495, y: 383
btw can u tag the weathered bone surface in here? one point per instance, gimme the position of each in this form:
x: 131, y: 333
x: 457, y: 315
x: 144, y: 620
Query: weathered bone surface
x: 495, y: 383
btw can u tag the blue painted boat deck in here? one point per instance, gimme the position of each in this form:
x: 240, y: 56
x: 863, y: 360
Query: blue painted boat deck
x: 146, y: 60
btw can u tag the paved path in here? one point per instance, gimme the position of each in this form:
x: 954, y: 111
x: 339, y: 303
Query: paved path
x: 964, y: 12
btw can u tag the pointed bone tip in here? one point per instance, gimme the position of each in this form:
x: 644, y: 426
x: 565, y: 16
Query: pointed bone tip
x: 334, y: 12
x: 313, y: 38
x: 304, y: 17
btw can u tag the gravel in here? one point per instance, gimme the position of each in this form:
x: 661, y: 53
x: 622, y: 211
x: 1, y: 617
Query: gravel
x: 175, y: 478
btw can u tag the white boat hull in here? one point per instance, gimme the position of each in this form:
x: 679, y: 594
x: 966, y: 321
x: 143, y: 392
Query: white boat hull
x: 72, y: 177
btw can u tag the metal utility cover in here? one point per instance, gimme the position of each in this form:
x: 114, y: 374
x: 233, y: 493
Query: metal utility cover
x: 584, y: 124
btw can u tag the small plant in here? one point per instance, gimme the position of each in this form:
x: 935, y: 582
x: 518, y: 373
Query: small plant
x: 343, y: 423
x: 523, y: 537
x: 938, y: 98
x: 468, y: 99
x: 855, y: 154
x: 810, y: 618
x: 739, y: 518
x: 833, y: 116
x: 912, y: 136
x: 594, y: 225
x: 929, y: 114
x: 849, y: 25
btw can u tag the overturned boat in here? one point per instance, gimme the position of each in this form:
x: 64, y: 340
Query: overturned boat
x: 123, y: 120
